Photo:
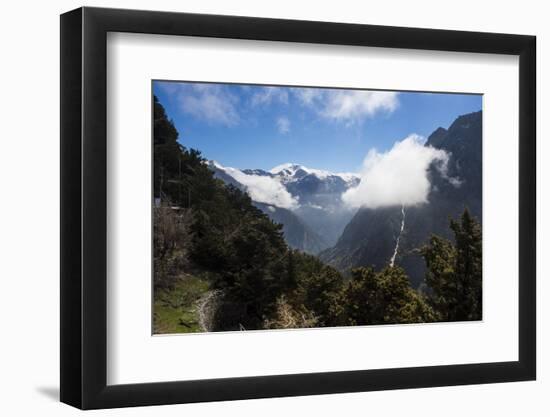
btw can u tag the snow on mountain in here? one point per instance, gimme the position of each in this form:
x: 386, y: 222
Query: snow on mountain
x: 261, y: 188
x: 269, y: 194
x: 294, y: 172
x: 289, y: 173
x: 313, y: 195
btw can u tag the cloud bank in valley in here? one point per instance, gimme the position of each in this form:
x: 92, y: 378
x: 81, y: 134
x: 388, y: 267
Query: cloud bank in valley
x: 264, y: 189
x: 398, y: 176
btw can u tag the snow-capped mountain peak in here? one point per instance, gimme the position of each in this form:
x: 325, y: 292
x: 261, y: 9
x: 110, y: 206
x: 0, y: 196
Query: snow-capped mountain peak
x: 288, y: 167
x: 313, y: 195
x: 293, y: 172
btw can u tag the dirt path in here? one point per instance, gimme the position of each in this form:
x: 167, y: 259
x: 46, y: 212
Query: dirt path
x: 206, y: 306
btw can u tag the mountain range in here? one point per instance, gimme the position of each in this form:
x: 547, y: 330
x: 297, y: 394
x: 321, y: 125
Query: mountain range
x: 315, y: 220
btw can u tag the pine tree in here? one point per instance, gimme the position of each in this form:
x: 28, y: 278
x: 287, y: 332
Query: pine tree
x: 291, y: 279
x: 384, y: 297
x: 454, y: 273
x: 468, y: 266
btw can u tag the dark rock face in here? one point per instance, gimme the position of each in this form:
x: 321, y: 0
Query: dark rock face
x: 370, y: 237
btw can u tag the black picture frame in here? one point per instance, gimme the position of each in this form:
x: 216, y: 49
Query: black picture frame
x: 84, y: 207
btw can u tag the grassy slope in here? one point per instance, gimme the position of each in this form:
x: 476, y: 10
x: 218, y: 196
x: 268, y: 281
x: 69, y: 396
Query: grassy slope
x: 176, y: 311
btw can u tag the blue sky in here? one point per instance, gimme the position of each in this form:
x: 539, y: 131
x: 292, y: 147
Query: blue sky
x: 244, y: 126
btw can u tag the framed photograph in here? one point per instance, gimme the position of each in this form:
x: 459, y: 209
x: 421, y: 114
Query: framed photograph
x: 257, y: 208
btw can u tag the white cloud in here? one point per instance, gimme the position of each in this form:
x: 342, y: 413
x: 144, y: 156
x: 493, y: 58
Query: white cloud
x: 215, y: 103
x: 398, y: 176
x: 267, y: 95
x: 209, y: 102
x: 349, y: 106
x: 264, y: 189
x: 283, y: 125
x: 212, y: 103
x: 354, y: 105
x: 307, y: 96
